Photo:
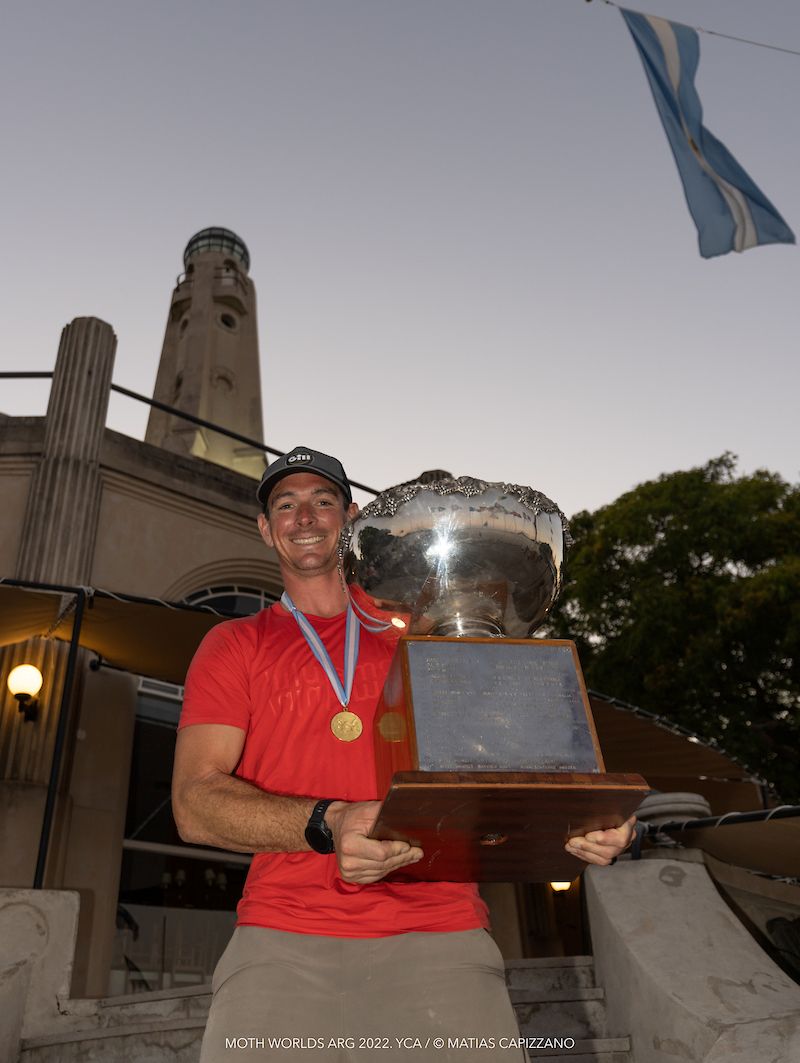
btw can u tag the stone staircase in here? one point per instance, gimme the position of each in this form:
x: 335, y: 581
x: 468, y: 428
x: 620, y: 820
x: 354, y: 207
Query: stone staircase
x: 165, y: 1026
x: 561, y: 1013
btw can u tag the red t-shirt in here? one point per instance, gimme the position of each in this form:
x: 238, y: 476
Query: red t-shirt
x: 259, y: 674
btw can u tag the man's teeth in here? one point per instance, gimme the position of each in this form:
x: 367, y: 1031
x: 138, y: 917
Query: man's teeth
x: 309, y: 540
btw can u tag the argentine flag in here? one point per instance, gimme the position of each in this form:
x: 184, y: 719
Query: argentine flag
x: 731, y: 213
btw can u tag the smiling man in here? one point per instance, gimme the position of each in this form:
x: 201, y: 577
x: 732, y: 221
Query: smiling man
x: 330, y: 960
x: 305, y: 518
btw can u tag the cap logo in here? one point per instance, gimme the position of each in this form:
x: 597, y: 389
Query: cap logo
x: 298, y: 457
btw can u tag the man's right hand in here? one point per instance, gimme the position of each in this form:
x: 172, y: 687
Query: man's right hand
x: 363, y: 859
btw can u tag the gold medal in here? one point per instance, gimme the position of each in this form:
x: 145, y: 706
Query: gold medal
x: 346, y: 726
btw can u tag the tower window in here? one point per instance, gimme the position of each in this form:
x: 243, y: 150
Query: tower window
x: 223, y: 378
x: 228, y: 321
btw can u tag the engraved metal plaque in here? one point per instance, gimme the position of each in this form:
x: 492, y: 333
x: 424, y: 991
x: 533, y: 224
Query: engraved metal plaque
x: 501, y: 705
x: 484, y: 705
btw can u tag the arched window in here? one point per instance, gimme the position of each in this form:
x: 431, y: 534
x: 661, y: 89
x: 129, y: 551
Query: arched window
x: 236, y: 599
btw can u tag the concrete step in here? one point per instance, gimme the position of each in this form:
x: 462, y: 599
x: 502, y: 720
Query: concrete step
x: 161, y: 1044
x: 136, y: 1008
x: 587, y: 1050
x: 163, y: 1025
x: 573, y: 1048
x: 578, y: 1013
x: 551, y: 973
x: 593, y: 1057
x: 192, y: 1002
x: 168, y: 1041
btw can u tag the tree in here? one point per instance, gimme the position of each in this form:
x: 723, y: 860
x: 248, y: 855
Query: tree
x: 684, y: 598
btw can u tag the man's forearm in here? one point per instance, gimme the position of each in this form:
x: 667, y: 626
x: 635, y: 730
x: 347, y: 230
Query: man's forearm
x: 229, y: 813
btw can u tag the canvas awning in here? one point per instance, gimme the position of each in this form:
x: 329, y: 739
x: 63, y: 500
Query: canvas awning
x: 147, y: 637
x: 670, y: 759
x: 674, y: 762
x: 772, y: 847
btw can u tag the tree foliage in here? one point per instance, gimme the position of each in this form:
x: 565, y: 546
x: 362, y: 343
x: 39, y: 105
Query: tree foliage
x: 684, y: 598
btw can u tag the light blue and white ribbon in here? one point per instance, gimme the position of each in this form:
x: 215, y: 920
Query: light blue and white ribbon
x: 367, y: 621
x: 317, y: 647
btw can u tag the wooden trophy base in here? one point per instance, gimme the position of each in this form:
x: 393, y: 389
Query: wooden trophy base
x: 502, y: 826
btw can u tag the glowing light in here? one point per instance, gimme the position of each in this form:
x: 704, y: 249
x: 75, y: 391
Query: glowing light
x: 559, y: 887
x: 397, y: 622
x: 25, y: 679
x: 441, y: 548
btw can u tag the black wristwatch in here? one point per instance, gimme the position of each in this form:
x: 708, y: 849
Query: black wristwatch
x: 318, y: 833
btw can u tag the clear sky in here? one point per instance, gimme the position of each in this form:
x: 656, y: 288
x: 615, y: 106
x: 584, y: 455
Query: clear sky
x: 468, y: 237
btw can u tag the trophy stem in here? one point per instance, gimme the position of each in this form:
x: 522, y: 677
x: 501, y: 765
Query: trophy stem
x: 467, y: 627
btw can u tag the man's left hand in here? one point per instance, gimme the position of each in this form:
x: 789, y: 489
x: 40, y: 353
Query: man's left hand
x: 602, y: 846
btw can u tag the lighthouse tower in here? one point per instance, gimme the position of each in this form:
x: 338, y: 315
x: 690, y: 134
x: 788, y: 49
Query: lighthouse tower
x: 209, y: 360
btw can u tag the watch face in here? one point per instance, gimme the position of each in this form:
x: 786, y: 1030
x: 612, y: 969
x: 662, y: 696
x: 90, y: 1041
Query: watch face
x: 317, y: 833
x: 319, y: 838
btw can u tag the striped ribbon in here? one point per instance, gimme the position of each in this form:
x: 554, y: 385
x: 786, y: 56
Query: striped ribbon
x: 367, y: 621
x: 317, y: 647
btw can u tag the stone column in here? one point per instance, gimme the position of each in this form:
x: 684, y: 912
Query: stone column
x: 64, y: 501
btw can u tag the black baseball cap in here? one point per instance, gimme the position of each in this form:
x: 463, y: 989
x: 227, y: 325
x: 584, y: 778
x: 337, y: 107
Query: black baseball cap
x: 304, y: 459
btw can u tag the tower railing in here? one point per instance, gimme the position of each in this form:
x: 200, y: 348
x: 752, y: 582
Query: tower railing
x: 229, y: 279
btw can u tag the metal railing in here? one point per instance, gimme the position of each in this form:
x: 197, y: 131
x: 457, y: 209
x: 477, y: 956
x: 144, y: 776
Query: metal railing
x: 174, y: 412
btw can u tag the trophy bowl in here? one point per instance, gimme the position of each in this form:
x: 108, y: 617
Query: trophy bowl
x: 462, y: 556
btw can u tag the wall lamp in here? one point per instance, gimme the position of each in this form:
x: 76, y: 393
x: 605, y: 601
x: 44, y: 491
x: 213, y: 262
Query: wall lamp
x: 560, y: 887
x: 25, y: 682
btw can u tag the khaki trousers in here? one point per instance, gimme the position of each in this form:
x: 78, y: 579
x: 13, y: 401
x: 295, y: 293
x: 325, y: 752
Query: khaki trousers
x: 410, y: 997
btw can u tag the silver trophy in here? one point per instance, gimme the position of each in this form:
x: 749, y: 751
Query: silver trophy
x: 482, y: 732
x: 462, y: 556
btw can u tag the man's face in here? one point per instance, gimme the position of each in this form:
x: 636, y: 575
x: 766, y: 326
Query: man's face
x: 305, y: 514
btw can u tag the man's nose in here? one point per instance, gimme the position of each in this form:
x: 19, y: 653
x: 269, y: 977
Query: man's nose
x: 304, y: 514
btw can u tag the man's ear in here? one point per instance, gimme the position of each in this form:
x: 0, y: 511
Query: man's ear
x: 263, y: 527
x: 352, y: 511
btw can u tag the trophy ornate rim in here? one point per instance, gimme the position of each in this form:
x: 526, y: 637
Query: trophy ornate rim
x: 388, y: 502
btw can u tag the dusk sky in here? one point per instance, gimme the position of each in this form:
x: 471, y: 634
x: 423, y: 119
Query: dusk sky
x: 468, y: 237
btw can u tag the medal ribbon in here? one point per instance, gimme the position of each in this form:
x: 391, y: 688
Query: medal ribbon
x: 317, y: 647
x: 368, y: 622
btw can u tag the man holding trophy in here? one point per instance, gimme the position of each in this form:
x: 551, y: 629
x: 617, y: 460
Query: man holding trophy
x: 347, y: 946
